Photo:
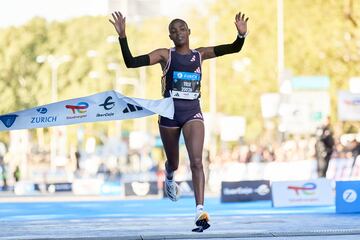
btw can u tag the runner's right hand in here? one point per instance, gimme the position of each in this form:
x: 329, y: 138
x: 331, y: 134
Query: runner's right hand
x: 119, y: 23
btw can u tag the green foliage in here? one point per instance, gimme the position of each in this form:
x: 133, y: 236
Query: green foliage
x: 322, y: 38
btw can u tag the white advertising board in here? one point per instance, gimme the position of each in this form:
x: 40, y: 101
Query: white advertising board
x: 316, y: 192
x: 348, y: 106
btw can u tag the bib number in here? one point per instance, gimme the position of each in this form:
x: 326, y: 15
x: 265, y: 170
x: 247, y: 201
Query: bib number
x: 186, y: 85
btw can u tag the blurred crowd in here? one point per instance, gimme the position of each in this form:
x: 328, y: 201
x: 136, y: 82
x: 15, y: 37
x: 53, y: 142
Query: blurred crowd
x: 321, y: 147
x: 289, y: 150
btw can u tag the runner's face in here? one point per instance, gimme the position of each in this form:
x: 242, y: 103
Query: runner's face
x: 179, y: 33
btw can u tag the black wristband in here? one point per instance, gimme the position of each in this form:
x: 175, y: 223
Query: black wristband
x: 130, y: 61
x: 229, y: 48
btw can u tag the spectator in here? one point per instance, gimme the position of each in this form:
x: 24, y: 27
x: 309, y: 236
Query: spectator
x: 17, y: 174
x: 355, y: 149
x: 3, y: 176
x: 324, y: 147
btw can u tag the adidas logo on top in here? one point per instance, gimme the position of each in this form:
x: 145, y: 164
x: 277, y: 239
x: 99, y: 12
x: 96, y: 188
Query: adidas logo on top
x: 132, y: 108
x: 198, y: 115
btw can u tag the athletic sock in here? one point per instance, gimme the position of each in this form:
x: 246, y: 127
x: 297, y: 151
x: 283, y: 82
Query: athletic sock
x: 199, y: 209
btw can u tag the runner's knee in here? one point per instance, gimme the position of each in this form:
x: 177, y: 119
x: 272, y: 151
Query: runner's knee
x: 196, y: 164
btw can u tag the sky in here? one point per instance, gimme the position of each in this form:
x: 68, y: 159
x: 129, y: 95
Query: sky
x: 17, y: 12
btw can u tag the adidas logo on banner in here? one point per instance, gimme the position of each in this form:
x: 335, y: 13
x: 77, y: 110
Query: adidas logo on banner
x: 132, y: 108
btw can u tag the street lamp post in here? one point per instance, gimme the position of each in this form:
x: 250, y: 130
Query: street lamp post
x: 212, y: 90
x: 118, y: 83
x: 54, y: 62
x: 280, y: 40
x: 116, y: 68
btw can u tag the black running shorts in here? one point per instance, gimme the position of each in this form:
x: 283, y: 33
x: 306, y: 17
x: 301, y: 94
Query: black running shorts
x: 185, y: 111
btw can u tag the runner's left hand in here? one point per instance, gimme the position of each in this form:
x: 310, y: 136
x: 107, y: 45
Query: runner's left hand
x: 241, y: 23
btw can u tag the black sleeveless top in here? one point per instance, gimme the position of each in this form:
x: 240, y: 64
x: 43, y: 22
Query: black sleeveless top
x: 182, y: 75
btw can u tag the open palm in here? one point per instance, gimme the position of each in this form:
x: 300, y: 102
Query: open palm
x: 241, y: 23
x: 119, y: 23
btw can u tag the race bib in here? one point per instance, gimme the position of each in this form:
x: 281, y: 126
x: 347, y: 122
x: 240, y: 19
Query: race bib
x: 186, y: 85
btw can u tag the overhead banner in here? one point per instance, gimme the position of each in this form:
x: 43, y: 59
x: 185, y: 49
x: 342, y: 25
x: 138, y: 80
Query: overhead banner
x: 105, y: 106
x: 310, y: 83
x: 302, y: 112
x: 348, y: 106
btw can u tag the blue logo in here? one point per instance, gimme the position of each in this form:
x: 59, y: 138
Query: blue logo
x: 107, y: 105
x: 43, y: 119
x: 8, y: 120
x: 42, y: 110
x: 186, y: 76
x: 347, y: 197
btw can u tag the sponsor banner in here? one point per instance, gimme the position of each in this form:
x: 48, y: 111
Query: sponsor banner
x: 186, y: 188
x: 24, y: 188
x: 354, y: 84
x: 103, y: 106
x: 347, y: 196
x: 310, y: 83
x: 141, y: 189
x: 348, y: 106
x: 54, y: 187
x: 317, y: 192
x: 6, y: 189
x: 111, y: 188
x: 245, y: 191
x: 87, y: 186
x: 303, y: 111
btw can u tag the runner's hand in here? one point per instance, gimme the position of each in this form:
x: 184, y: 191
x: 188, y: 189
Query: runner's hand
x: 119, y: 23
x: 241, y: 23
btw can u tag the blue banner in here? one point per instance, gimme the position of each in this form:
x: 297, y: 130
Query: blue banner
x: 347, y: 196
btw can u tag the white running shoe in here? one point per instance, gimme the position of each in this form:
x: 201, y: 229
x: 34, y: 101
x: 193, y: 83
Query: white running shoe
x: 172, y: 190
x: 202, y: 220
